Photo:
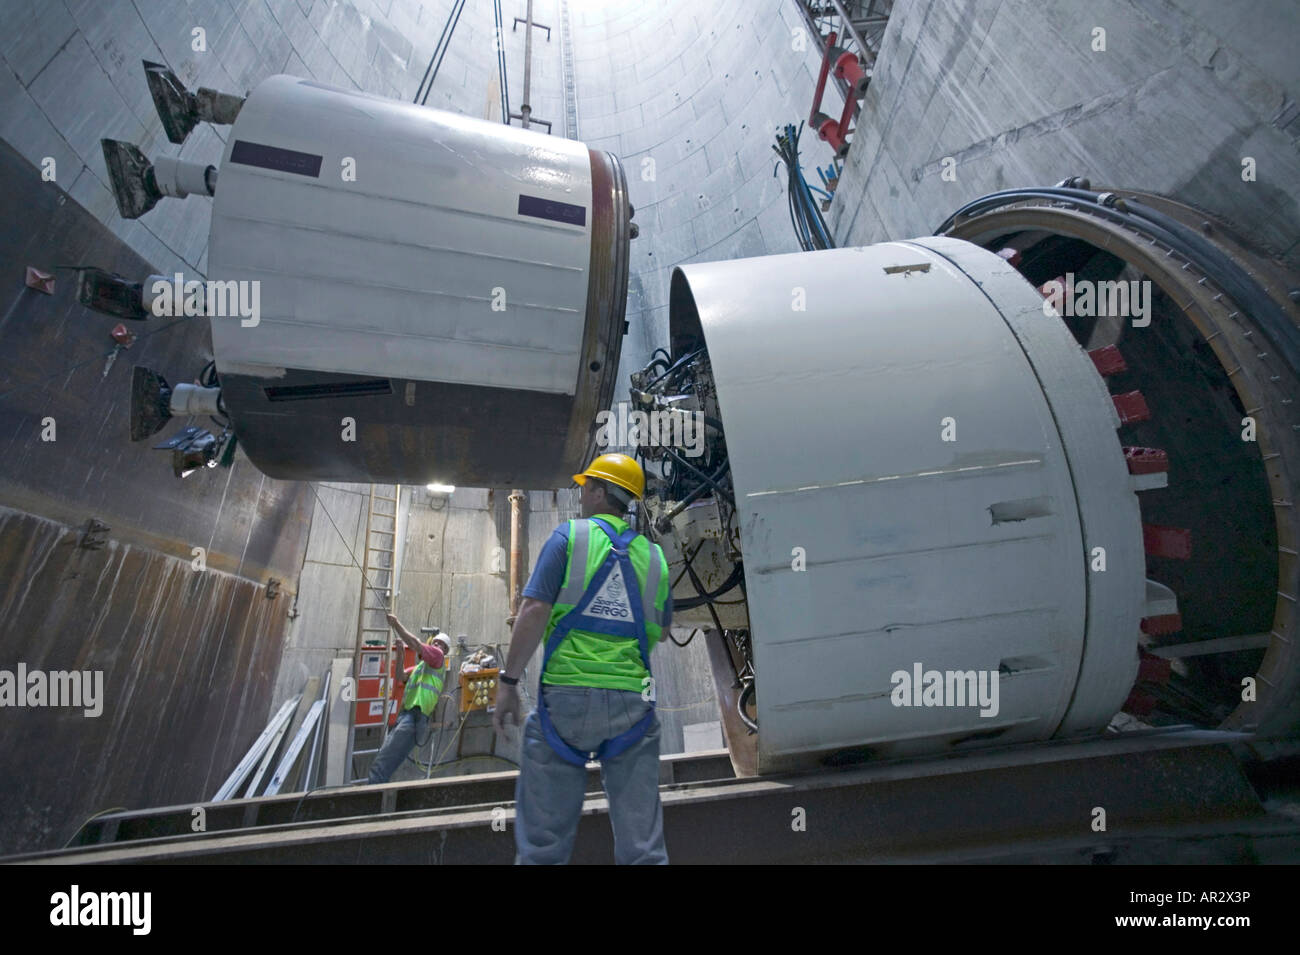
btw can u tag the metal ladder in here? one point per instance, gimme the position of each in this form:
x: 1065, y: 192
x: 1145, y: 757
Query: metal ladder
x: 373, y: 633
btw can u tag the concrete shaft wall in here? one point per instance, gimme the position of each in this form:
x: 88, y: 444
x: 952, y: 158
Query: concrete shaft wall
x: 108, y: 564
x: 1016, y: 94
x: 690, y: 96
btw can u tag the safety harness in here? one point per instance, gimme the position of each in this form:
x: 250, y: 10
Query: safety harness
x: 577, y: 619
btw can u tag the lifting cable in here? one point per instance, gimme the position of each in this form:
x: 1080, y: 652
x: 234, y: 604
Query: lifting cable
x: 439, y: 51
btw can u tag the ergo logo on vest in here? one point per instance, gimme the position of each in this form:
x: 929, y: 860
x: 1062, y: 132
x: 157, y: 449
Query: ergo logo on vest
x: 610, y: 602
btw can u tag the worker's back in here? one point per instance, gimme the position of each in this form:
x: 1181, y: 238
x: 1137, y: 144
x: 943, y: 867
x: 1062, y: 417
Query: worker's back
x: 599, y: 657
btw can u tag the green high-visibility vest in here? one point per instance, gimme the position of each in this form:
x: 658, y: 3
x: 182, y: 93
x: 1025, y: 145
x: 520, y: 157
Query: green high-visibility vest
x: 423, y: 687
x: 588, y: 658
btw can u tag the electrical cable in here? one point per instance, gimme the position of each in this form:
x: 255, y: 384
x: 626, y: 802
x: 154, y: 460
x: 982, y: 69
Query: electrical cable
x: 812, y: 188
x: 699, y: 588
x: 428, y: 768
x: 796, y: 220
x: 682, y: 643
x: 805, y: 213
x: 678, y: 579
x: 705, y: 477
x: 441, y: 728
x: 710, y: 597
x: 459, y: 729
x: 737, y: 576
x: 745, y: 695
x: 695, y: 494
x: 675, y: 366
x: 810, y: 203
x: 298, y: 805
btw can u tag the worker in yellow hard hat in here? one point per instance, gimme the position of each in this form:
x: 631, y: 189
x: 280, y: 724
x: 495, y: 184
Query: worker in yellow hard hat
x: 601, y: 597
x: 619, y: 470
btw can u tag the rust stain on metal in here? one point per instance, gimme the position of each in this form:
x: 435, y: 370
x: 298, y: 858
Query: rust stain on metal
x: 188, y: 659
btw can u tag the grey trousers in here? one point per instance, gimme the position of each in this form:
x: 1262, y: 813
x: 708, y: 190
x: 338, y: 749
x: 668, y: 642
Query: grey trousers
x: 411, y: 724
x: 548, y: 795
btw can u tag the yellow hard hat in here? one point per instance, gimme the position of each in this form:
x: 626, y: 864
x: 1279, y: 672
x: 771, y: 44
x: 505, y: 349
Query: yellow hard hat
x: 616, y: 469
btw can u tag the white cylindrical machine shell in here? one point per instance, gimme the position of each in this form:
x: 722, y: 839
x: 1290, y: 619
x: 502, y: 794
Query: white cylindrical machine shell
x: 418, y: 251
x: 178, y: 178
x: 923, y: 463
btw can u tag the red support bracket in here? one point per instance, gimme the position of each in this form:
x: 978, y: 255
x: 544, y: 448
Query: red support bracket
x: 1160, y: 541
x: 1162, y: 624
x: 1108, y: 360
x: 1146, y: 460
x: 848, y: 68
x: 1139, y: 704
x: 1153, y: 669
x: 1131, y: 407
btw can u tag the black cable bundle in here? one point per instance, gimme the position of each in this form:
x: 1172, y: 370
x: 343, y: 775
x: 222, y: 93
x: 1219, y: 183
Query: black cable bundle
x: 805, y: 215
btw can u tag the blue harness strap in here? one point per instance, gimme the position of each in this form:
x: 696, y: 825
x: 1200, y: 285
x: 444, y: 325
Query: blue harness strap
x: 577, y: 619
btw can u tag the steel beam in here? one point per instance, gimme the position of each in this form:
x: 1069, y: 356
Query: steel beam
x: 988, y: 803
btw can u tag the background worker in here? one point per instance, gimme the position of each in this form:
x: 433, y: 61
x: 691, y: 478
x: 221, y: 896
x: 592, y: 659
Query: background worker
x: 423, y: 686
x: 600, y: 596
